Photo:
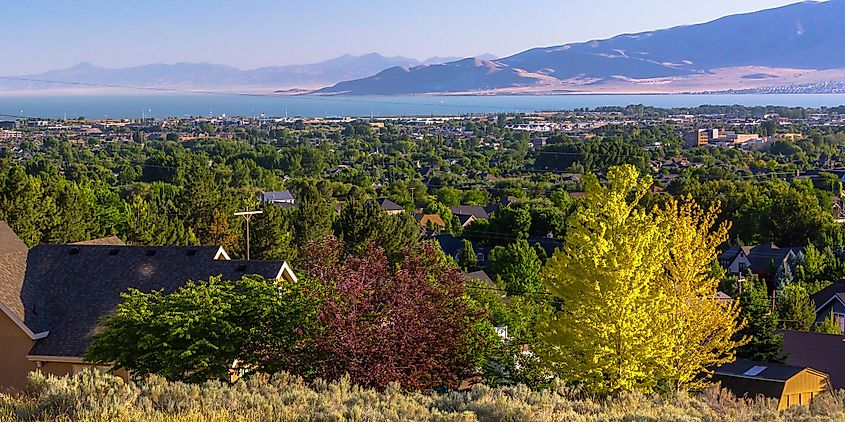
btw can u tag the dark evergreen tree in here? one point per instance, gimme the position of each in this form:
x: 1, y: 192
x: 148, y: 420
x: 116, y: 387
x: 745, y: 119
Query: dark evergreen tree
x: 761, y: 324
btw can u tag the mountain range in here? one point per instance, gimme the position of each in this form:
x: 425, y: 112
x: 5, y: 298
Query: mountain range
x: 798, y: 43
x: 215, y: 76
x: 799, y: 46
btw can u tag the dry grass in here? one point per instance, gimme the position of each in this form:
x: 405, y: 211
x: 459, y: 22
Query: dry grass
x: 90, y: 396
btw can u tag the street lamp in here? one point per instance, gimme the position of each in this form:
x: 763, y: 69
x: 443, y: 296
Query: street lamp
x: 247, y: 215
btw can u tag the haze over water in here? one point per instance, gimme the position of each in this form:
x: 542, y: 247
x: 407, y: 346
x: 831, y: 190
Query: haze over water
x: 183, y: 105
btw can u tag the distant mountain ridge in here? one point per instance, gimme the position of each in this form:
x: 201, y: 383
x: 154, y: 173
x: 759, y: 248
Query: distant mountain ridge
x: 206, y: 75
x: 806, y: 35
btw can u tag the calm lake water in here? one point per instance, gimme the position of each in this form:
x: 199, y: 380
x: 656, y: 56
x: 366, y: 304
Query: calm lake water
x: 182, y: 105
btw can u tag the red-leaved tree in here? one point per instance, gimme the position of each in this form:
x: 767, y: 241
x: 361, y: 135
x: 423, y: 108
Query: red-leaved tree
x: 407, y: 323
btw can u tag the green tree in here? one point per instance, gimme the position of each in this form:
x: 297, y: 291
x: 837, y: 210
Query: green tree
x: 795, y: 309
x: 511, y: 221
x: 795, y: 217
x: 635, y: 291
x: 313, y: 217
x: 830, y: 325
x: 205, y: 330
x: 272, y: 236
x: 360, y: 223
x: 760, y: 324
x: 467, y: 259
x: 517, y: 266
x: 610, y: 332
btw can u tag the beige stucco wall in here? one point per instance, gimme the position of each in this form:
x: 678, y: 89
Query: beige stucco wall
x: 14, y: 346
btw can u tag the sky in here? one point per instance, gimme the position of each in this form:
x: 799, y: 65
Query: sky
x: 40, y: 35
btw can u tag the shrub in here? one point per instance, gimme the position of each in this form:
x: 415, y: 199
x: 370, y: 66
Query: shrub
x: 92, y: 396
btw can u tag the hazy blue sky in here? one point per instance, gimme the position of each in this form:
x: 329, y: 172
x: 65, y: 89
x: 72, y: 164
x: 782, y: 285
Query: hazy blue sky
x: 38, y: 35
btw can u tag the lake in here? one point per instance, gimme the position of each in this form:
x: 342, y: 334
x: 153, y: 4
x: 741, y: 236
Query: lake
x: 183, y: 105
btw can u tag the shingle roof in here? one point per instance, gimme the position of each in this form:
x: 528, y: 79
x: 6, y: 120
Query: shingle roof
x: 9, y: 241
x: 277, y: 196
x: 481, y: 276
x: 450, y: 245
x: 822, y: 352
x: 822, y: 296
x: 68, y: 289
x: 772, y: 371
x: 769, y: 381
x: 762, y: 256
x: 389, y: 205
x: 728, y: 256
x: 475, y: 211
x: 12, y: 267
x: 109, y: 240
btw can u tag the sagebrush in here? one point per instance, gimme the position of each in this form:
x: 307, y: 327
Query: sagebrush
x: 91, y: 396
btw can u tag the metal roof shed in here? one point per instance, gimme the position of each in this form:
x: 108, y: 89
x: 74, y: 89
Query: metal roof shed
x: 790, y: 385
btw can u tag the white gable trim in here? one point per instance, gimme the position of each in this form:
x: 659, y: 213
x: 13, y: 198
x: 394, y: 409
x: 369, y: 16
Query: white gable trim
x: 286, y: 273
x: 20, y: 323
x: 221, y: 254
x: 836, y: 296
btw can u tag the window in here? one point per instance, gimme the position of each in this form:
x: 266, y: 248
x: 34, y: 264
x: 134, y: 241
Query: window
x: 840, y: 318
x: 753, y: 372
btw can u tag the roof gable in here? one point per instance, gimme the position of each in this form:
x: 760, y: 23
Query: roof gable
x: 823, y: 296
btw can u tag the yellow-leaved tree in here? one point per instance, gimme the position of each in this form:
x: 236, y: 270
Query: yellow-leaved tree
x: 609, y: 334
x: 703, y: 326
x: 638, y: 304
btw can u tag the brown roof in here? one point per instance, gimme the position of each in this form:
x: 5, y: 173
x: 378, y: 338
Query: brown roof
x: 12, y: 268
x: 424, y: 219
x: 108, y: 240
x: 9, y: 241
x: 823, y: 352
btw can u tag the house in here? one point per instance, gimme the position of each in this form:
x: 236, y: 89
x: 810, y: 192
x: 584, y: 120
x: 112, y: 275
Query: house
x: 467, y: 214
x: 723, y: 297
x: 763, y: 260
x: 465, y: 220
x: 831, y: 299
x: 482, y: 277
x: 452, y: 246
x: 470, y: 210
x: 283, y: 199
x: 388, y: 206
x: 790, y: 385
x: 430, y: 223
x: 53, y: 297
x: 817, y: 350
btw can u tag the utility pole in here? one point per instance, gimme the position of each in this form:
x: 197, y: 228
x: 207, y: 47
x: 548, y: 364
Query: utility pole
x: 247, y: 215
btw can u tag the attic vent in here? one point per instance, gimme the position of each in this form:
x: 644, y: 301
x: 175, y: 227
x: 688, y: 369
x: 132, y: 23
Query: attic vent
x: 192, y: 252
x: 242, y: 267
x: 151, y: 252
x: 113, y: 252
x: 753, y: 372
x: 74, y: 251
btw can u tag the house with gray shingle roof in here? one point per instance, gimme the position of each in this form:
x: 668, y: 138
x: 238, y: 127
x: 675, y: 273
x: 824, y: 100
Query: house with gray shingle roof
x: 388, y: 206
x: 283, y: 199
x: 53, y: 297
